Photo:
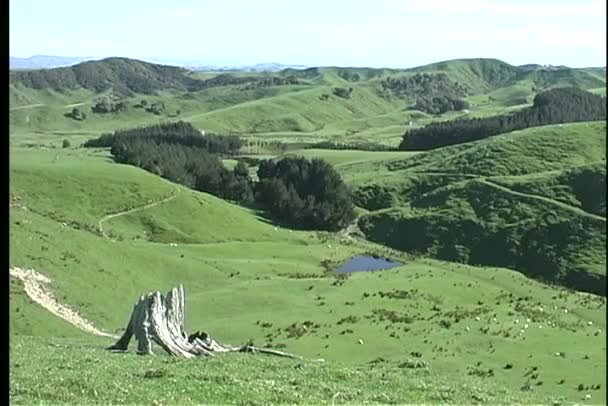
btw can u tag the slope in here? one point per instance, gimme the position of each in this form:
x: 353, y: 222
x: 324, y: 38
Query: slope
x: 530, y: 200
x: 247, y: 279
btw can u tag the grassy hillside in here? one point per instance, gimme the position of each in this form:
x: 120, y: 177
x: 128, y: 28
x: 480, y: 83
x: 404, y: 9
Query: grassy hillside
x: 514, y: 201
x: 290, y: 106
x: 460, y: 325
x: 522, y: 152
x: 583, y: 186
x: 128, y: 378
x: 523, y: 207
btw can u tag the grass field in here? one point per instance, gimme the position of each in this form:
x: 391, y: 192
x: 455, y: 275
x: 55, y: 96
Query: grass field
x: 428, y: 331
x: 307, y: 112
x: 224, y: 249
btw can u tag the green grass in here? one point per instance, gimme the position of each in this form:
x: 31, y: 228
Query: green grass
x: 295, y: 113
x: 239, y: 270
x: 58, y: 371
x: 500, y: 190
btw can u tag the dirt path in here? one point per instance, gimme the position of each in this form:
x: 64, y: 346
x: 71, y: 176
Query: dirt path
x: 35, y: 288
x: 543, y: 199
x: 27, y: 106
x: 134, y: 210
x: 67, y: 106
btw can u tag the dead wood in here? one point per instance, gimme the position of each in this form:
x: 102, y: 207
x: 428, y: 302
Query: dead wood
x: 160, y: 319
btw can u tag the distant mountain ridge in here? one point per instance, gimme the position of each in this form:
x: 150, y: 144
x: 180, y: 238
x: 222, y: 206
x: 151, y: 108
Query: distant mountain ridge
x: 52, y: 61
x: 45, y: 61
x: 128, y: 76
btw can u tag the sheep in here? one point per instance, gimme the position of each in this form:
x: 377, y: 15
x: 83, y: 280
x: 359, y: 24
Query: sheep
x: 587, y: 396
x: 590, y: 323
x: 525, y: 326
x: 516, y: 321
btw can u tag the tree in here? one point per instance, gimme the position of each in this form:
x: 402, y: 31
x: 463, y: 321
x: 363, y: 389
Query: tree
x: 66, y: 143
x: 308, y: 194
x: 119, y: 107
x: 76, y: 114
x: 241, y: 170
x: 103, y: 106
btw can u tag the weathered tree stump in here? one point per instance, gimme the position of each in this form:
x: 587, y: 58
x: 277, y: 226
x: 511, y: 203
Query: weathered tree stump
x: 160, y: 319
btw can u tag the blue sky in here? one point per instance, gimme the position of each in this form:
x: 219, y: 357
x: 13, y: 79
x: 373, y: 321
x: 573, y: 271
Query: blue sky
x: 376, y: 33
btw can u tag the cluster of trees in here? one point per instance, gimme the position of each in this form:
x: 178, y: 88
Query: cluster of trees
x: 272, y: 81
x: 224, y: 79
x: 440, y: 104
x: 346, y: 74
x: 307, y: 73
x: 179, y: 133
x: 362, y: 146
x: 304, y: 193
x: 76, y: 114
x: 423, y: 85
x: 180, y: 153
x: 192, y: 166
x: 156, y: 108
x: 105, y: 106
x: 560, y: 105
x: 342, y: 92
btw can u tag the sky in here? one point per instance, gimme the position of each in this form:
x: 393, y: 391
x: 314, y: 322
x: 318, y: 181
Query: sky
x: 373, y: 33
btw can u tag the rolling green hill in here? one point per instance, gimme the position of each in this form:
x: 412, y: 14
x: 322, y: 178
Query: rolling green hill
x: 531, y: 200
x: 499, y: 242
x: 247, y: 279
x: 290, y: 106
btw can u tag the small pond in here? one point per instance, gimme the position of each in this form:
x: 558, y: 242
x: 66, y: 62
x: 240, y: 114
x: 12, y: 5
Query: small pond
x: 360, y: 263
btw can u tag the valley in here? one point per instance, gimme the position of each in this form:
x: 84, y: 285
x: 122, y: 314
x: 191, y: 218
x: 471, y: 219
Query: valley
x: 500, y: 291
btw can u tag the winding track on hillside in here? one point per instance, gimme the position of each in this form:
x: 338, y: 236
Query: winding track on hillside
x: 490, y: 183
x: 565, y: 206
x: 34, y: 286
x: 176, y: 192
